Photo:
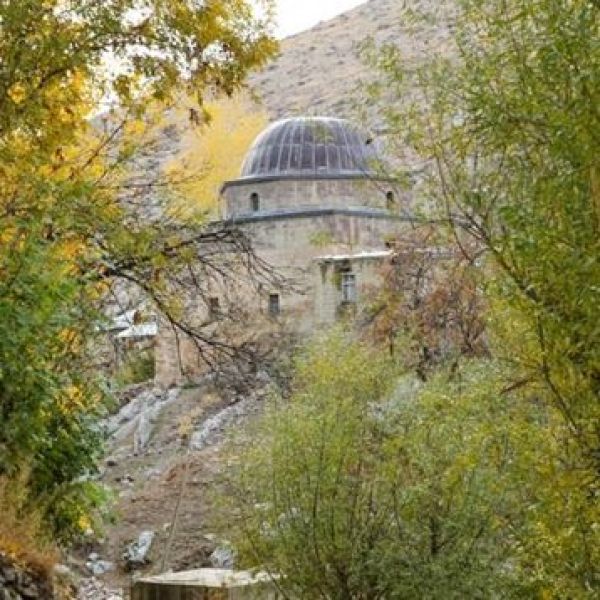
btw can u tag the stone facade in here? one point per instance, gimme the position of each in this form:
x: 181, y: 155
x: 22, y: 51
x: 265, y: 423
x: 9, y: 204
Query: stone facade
x: 323, y: 224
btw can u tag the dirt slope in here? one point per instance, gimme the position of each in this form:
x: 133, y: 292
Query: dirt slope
x: 318, y: 71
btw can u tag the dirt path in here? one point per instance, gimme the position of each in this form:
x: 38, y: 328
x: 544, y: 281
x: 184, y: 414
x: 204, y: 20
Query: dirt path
x: 169, y: 475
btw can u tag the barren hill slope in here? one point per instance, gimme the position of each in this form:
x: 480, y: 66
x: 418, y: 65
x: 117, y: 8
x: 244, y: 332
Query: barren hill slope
x: 318, y: 71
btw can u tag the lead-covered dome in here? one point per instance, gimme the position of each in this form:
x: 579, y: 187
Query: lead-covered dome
x: 309, y: 146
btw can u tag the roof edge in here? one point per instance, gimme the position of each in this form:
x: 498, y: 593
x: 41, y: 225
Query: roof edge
x: 367, y: 176
x: 317, y: 212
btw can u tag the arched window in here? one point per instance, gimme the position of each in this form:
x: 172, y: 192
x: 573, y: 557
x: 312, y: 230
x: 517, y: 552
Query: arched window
x: 254, y: 202
x: 390, y: 200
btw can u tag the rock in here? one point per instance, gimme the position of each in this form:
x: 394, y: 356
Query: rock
x: 263, y: 377
x: 93, y: 557
x: 100, y: 567
x: 93, y: 589
x: 222, y: 558
x: 62, y: 570
x: 141, y: 435
x: 153, y: 474
x: 213, y: 427
x: 173, y: 394
x: 6, y: 594
x: 9, y: 574
x: 111, y: 462
x: 127, y: 479
x: 29, y: 591
x: 136, y: 554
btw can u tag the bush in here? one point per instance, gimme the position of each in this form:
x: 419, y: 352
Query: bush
x: 23, y: 535
x: 364, y: 485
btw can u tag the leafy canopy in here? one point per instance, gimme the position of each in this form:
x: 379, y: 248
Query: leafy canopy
x: 367, y: 483
x: 507, y: 123
x: 67, y: 225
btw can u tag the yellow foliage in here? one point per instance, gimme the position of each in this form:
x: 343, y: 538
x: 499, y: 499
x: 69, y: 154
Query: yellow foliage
x: 211, y: 154
x: 17, y: 93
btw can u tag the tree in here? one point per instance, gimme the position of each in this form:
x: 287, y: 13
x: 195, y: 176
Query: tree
x: 367, y: 485
x: 430, y: 306
x: 73, y: 221
x: 212, y: 154
x: 508, y: 123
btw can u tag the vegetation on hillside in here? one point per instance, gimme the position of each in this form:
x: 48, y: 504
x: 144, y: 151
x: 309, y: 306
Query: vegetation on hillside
x: 73, y: 215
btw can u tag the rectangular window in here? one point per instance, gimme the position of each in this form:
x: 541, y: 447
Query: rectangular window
x: 348, y: 288
x: 274, y: 305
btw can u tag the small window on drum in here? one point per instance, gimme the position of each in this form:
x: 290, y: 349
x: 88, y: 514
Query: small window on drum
x: 390, y: 200
x: 274, y: 305
x: 348, y: 288
x: 254, y: 202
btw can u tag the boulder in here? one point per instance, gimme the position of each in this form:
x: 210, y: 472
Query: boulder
x: 222, y: 558
x: 136, y: 554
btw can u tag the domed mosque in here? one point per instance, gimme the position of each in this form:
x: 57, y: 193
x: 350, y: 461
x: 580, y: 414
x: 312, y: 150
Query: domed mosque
x: 317, y: 209
x: 311, y: 198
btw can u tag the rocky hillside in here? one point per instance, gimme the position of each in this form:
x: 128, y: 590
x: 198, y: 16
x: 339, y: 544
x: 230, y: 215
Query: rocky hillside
x: 318, y: 71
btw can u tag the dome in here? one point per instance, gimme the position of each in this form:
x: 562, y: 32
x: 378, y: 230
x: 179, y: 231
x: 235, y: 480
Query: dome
x: 309, y: 146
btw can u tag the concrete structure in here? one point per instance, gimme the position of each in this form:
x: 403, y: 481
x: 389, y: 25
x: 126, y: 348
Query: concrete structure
x: 311, y: 200
x: 206, y: 584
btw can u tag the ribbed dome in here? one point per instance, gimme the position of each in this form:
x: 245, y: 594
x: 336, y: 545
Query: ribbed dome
x: 309, y: 146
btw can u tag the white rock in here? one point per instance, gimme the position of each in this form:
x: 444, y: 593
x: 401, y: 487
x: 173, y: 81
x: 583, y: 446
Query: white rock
x: 100, y: 567
x: 142, y: 433
x: 137, y: 552
x: 222, y: 558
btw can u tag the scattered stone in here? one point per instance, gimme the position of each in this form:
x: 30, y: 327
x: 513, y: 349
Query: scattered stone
x: 136, y: 554
x: 93, y: 589
x: 222, y: 558
x: 153, y: 474
x: 99, y: 567
x: 18, y: 584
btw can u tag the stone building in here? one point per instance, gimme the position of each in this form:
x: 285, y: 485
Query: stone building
x: 316, y: 208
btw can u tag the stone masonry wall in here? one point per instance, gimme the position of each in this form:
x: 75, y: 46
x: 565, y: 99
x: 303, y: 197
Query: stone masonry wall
x: 297, y: 194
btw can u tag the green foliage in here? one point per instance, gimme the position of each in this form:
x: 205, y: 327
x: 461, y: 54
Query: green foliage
x: 48, y: 405
x: 510, y: 128
x: 366, y: 485
x: 67, y: 224
x: 484, y: 481
x: 137, y: 368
